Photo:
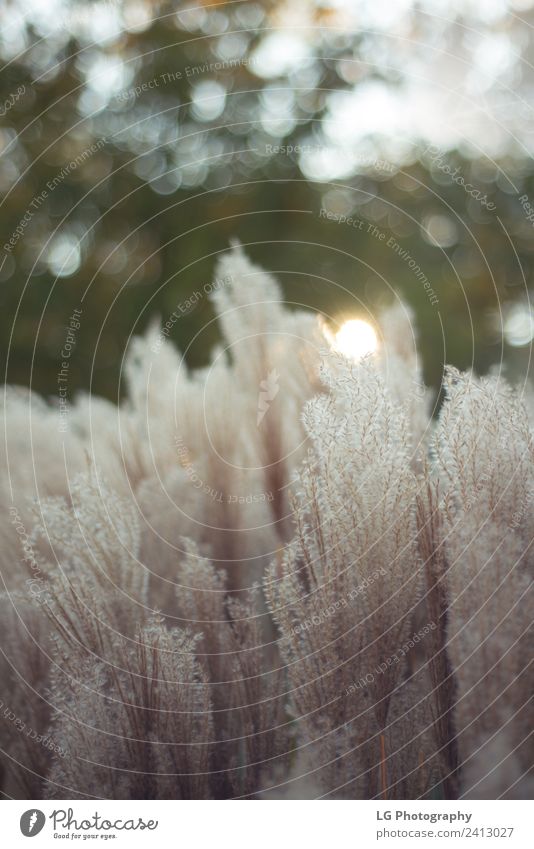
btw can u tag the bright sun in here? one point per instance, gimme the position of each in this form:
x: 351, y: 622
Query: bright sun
x: 355, y: 339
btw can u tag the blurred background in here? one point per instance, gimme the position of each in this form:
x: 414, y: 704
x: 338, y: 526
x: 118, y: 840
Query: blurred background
x: 362, y: 150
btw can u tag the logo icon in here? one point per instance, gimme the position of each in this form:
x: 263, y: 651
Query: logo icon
x: 32, y: 822
x: 268, y: 391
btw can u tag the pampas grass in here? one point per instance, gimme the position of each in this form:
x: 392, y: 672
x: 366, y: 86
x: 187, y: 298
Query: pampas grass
x: 274, y: 577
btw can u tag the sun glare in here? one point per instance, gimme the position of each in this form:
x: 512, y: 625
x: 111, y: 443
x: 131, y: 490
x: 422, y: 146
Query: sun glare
x: 355, y: 339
